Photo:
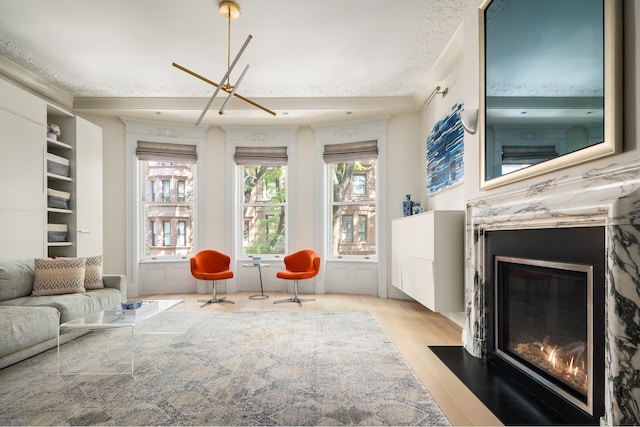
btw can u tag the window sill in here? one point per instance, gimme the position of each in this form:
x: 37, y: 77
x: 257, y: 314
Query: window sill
x: 358, y: 259
x: 163, y: 260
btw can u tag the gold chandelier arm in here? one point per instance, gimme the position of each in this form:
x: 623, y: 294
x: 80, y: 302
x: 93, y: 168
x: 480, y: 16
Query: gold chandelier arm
x: 214, y: 84
x: 196, y: 75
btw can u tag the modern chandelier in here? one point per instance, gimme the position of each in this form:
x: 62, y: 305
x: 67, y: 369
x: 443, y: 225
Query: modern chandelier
x: 229, y: 10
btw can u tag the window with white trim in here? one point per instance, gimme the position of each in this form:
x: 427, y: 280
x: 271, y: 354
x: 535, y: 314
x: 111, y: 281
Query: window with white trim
x: 167, y: 176
x: 352, y: 174
x: 262, y: 174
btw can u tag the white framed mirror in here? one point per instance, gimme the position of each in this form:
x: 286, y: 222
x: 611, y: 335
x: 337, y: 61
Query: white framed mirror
x: 550, y: 86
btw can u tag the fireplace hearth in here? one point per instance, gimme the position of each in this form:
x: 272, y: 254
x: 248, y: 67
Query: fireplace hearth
x: 546, y: 314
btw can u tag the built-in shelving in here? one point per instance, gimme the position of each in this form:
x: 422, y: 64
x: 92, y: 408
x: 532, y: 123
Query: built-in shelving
x: 62, y: 147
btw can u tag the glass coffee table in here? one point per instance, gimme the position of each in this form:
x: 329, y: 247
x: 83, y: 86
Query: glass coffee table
x: 139, y: 323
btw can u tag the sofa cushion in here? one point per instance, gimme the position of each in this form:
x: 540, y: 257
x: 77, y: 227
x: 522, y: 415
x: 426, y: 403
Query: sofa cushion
x: 23, y: 327
x: 72, y: 306
x: 58, y: 276
x: 93, y: 273
x: 16, y: 278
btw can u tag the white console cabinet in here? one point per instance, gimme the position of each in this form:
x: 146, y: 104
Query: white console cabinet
x: 427, y: 259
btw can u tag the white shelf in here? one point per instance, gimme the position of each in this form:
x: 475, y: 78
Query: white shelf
x: 59, y: 243
x: 59, y: 177
x: 57, y: 210
x: 54, y: 143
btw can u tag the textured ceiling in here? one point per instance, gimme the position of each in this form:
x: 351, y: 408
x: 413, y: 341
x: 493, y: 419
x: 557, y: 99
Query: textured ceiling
x: 300, y: 48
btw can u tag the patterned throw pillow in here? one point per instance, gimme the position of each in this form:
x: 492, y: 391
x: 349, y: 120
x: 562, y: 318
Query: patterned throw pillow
x: 93, y: 273
x: 58, y: 276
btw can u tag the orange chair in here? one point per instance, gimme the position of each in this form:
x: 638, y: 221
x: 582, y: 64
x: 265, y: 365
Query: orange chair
x: 303, y: 264
x: 211, y: 265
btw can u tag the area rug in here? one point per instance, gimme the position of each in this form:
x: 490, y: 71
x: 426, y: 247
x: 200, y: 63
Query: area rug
x: 230, y: 368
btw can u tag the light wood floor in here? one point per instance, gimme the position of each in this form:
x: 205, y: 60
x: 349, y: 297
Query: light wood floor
x: 411, y: 327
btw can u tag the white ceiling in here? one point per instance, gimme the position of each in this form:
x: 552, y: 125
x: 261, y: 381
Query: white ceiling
x: 310, y: 60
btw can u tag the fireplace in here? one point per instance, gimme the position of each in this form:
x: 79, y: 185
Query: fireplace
x: 547, y: 319
x: 544, y: 326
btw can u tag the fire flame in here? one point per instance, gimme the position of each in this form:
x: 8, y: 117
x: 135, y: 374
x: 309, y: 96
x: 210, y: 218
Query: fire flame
x: 552, y: 357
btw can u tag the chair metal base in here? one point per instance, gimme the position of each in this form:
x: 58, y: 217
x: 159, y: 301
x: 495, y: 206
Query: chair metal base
x: 294, y: 299
x: 214, y: 298
x: 213, y: 301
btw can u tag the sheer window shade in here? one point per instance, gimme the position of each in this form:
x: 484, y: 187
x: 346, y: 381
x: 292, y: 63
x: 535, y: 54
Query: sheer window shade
x: 267, y: 156
x: 159, y: 151
x: 365, y: 150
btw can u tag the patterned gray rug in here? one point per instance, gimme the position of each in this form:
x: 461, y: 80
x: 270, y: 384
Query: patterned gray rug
x: 233, y: 368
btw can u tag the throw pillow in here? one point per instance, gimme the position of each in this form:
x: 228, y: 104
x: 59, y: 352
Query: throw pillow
x: 58, y: 276
x: 93, y: 273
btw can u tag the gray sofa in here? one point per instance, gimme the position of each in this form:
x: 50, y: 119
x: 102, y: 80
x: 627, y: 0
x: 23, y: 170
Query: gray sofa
x: 29, y: 324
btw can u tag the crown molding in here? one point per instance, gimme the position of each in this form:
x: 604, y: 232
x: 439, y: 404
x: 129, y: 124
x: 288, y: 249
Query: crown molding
x: 35, y: 84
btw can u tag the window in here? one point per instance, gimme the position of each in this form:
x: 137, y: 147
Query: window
x: 347, y: 228
x: 152, y: 227
x: 165, y: 217
x: 182, y: 233
x: 166, y: 233
x: 152, y: 183
x: 359, y: 184
x: 262, y: 174
x: 181, y: 191
x: 362, y: 228
x: 166, y: 190
x: 352, y: 174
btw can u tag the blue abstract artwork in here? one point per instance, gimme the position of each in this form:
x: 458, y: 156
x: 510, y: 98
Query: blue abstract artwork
x: 445, y: 149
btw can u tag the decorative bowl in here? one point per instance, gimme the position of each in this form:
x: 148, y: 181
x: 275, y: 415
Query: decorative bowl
x: 131, y: 304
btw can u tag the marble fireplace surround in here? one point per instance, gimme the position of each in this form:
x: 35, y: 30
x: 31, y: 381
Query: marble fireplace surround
x: 608, y: 197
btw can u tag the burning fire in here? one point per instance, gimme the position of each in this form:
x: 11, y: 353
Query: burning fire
x: 566, y: 363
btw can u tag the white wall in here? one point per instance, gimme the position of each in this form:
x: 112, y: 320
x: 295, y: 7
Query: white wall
x: 405, y: 174
x: 448, y: 72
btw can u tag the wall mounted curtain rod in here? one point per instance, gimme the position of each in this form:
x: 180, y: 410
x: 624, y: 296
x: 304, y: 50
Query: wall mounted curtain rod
x: 435, y: 92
